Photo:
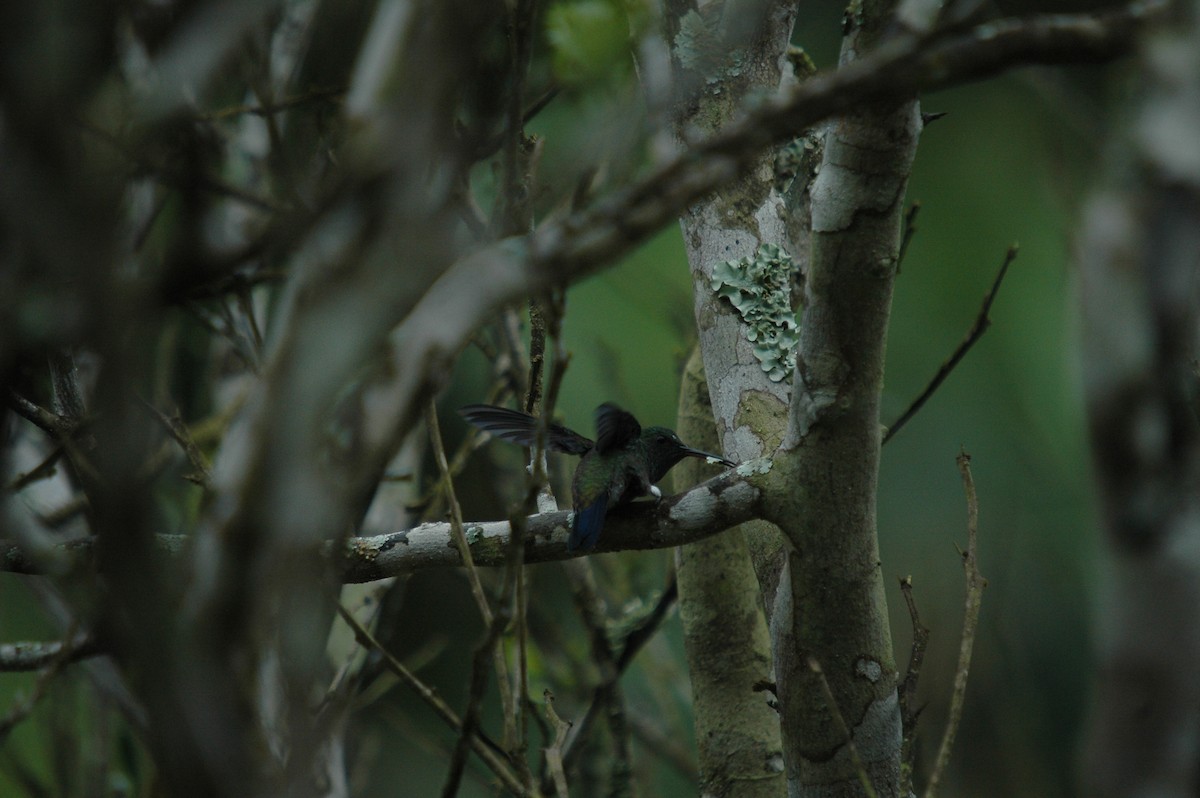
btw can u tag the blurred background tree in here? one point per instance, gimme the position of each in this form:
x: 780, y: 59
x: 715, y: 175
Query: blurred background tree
x: 219, y: 228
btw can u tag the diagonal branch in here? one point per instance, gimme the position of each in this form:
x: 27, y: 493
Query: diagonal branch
x: 982, y: 322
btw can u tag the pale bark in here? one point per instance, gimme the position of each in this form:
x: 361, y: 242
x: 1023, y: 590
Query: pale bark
x: 722, y: 53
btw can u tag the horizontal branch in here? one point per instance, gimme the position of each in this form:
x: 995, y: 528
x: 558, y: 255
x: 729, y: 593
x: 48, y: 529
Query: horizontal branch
x: 724, y: 501
x: 899, y: 69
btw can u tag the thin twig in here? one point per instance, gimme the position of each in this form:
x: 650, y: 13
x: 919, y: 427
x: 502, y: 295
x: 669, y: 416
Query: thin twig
x: 607, y: 695
x: 495, y: 622
x: 471, y: 717
x: 910, y: 230
x: 24, y: 705
x: 174, y: 425
x: 835, y: 712
x: 472, y: 440
x: 908, y: 689
x: 554, y: 757
x: 167, y: 175
x: 43, y: 470
x: 485, y: 749
x: 46, y: 420
x: 982, y: 322
x: 269, y: 109
x: 648, y: 626
x: 975, y: 585
x: 537, y: 356
x: 456, y: 522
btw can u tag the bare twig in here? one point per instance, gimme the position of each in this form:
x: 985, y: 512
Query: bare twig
x: 836, y: 713
x: 485, y: 749
x: 908, y: 688
x: 165, y: 173
x: 471, y: 716
x: 647, y: 627
x: 495, y: 622
x: 910, y: 230
x: 269, y: 109
x: 24, y: 705
x: 975, y: 585
x: 632, y: 643
x: 47, y: 420
x: 174, y: 425
x: 458, y: 535
x: 607, y: 695
x: 982, y: 322
x: 554, y: 758
x: 43, y: 470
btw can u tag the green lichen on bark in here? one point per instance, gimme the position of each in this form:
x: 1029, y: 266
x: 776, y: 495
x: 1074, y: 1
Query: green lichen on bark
x: 759, y: 288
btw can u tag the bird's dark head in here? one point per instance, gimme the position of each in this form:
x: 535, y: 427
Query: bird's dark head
x: 664, y: 450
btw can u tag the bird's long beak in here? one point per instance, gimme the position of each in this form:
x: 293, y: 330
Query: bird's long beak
x: 710, y: 458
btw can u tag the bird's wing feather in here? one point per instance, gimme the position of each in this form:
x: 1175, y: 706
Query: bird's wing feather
x: 615, y: 428
x: 521, y: 428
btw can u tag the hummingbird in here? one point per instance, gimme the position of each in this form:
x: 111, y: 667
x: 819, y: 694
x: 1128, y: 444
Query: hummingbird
x: 622, y: 464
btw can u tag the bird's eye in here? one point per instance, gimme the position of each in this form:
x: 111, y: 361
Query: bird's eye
x: 662, y: 439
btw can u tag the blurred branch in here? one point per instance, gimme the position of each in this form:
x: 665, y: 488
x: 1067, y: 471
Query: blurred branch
x: 47, y: 420
x: 475, y: 693
x: 269, y: 109
x: 612, y: 665
x: 607, y: 697
x: 486, y: 750
x: 975, y: 585
x: 982, y: 322
x: 458, y: 536
x: 22, y: 708
x: 495, y: 622
x: 30, y: 656
x: 43, y: 470
x: 168, y: 175
x: 173, y: 424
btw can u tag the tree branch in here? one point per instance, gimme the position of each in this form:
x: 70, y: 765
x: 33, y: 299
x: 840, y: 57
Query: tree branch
x: 584, y: 242
x: 982, y: 322
x: 705, y: 510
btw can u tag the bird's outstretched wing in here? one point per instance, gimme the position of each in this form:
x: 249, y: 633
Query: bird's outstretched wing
x: 521, y: 428
x: 614, y: 428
